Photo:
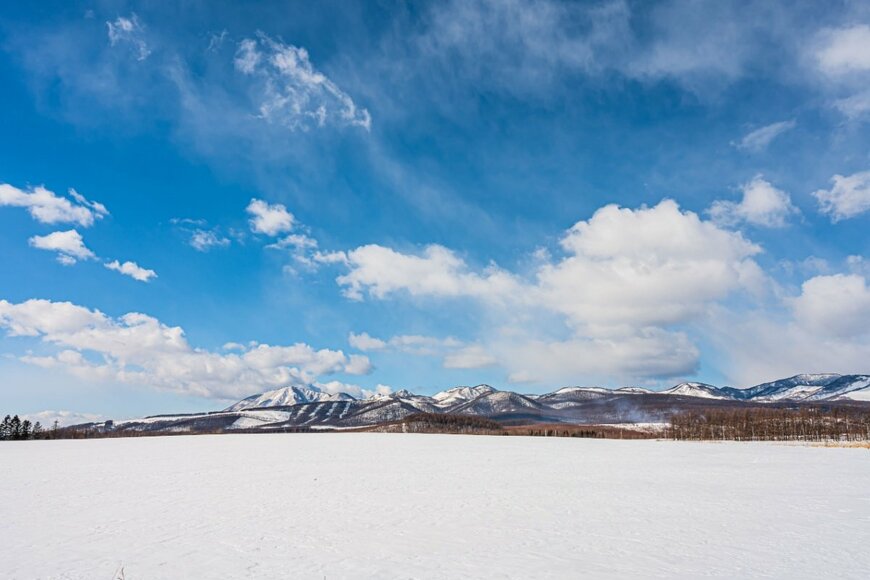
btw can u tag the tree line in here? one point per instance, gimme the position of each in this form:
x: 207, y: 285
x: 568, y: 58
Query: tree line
x: 14, y: 429
x: 804, y: 423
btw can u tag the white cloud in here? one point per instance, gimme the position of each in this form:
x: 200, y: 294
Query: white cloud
x: 849, y: 196
x: 842, y: 55
x: 406, y: 343
x: 858, y: 265
x: 136, y: 348
x: 128, y: 31
x: 854, y: 106
x: 291, y: 92
x: 204, y: 240
x: 63, y: 418
x: 358, y: 364
x: 366, y: 343
x: 527, y: 47
x: 379, y: 391
x: 296, y: 242
x: 626, y: 276
x: 269, y: 219
x: 759, y: 139
x: 48, y: 208
x: 69, y: 245
x: 837, y: 306
x: 473, y: 356
x: 650, y: 266
x: 132, y: 269
x: 652, y: 353
x: 380, y: 271
x: 456, y: 354
x: 762, y: 205
x: 330, y: 257
x: 844, y: 50
x: 302, y: 248
x: 826, y: 328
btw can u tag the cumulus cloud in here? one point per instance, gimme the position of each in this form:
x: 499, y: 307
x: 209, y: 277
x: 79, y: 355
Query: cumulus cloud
x: 129, y: 32
x: 69, y: 245
x: 132, y: 269
x: 847, y: 198
x: 364, y: 342
x: 826, y: 328
x: 759, y: 139
x: 139, y: 349
x: 290, y: 91
x: 48, y: 208
x: 762, y: 205
x: 651, y: 266
x: 269, y: 219
x: 837, y: 305
x: 380, y: 271
x: 625, y: 277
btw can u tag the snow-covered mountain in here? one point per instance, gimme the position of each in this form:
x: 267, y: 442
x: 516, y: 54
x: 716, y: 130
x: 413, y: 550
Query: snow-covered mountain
x: 806, y: 387
x: 458, y: 395
x: 306, y: 407
x: 702, y: 390
x: 497, y: 403
x: 286, y: 396
x: 798, y: 387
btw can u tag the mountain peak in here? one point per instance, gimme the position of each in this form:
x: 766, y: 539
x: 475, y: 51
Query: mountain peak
x: 692, y: 389
x: 285, y: 396
x: 463, y: 393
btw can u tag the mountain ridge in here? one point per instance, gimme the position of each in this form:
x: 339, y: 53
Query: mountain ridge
x: 800, y: 387
x: 307, y: 408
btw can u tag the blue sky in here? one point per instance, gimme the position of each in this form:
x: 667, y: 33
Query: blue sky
x: 205, y: 200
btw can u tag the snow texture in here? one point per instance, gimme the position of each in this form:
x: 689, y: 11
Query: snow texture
x: 362, y: 505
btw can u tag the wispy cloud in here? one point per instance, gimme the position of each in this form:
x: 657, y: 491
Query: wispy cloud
x: 759, y: 139
x: 204, y: 240
x: 128, y: 31
x: 290, y: 91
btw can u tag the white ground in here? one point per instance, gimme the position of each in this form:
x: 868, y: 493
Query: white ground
x: 364, y: 505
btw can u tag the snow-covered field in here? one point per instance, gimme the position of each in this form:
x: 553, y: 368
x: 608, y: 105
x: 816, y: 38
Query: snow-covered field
x: 365, y: 505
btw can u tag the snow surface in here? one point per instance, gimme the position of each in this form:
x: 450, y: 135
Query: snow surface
x: 365, y: 505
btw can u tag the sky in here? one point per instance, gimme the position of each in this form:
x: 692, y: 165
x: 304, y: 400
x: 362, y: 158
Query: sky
x: 200, y: 201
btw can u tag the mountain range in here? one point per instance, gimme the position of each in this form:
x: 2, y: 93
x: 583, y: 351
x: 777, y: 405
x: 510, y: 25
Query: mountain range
x: 307, y: 407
